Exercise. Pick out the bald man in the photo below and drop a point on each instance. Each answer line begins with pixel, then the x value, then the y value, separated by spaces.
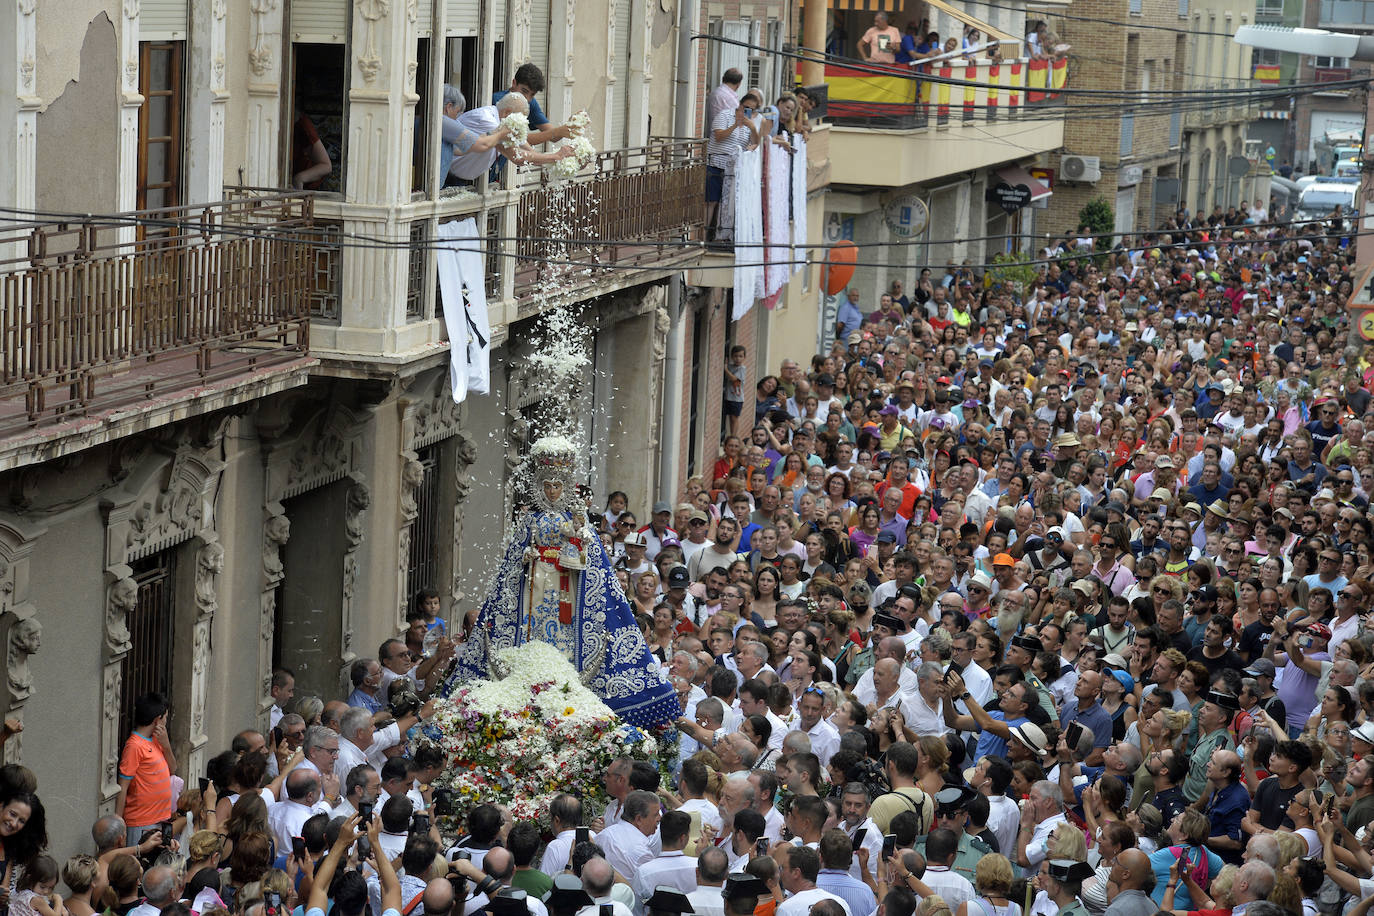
pixel 1129 884
pixel 892 647
pixel 1228 802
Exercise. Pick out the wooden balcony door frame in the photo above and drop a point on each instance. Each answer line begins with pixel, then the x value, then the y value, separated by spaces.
pixel 161 82
pixel 156 83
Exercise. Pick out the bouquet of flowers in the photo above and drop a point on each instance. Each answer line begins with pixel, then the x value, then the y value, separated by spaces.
pixel 536 732
pixel 519 127
pixel 583 151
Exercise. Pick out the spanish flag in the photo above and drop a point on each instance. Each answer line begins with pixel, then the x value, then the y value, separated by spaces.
pixel 1267 74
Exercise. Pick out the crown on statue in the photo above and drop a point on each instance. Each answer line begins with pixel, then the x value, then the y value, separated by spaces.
pixel 553 458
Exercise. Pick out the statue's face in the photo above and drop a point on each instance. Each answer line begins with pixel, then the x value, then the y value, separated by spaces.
pixel 553 490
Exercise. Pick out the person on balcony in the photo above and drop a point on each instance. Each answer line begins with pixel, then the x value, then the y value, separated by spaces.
pixel 910 39
pixel 482 139
pixel 880 43
pixel 724 97
pixel 310 162
pixel 732 132
pixel 529 82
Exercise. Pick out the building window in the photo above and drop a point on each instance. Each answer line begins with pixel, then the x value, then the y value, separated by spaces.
pixel 148 666
pixel 1327 63
pixel 422 567
pixel 319 110
pixel 159 124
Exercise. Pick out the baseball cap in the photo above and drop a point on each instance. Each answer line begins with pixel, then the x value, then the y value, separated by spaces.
pixel 942 380
pixel 1003 559
pixel 1057 532
pixel 889 410
pixel 678 578
pixel 661 506
pixel 1164 461
pixel 1261 667
pixel 886 537
pixel 1114 660
pixel 698 516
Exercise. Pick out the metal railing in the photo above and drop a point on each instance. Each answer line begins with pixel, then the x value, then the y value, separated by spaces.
pixel 612 216
pixel 944 92
pixel 108 311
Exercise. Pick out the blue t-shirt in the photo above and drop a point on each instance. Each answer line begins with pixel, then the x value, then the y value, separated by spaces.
pixel 990 745
pixel 907 53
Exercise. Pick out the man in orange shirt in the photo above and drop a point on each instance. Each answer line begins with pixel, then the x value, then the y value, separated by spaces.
pixel 145 797
pixel 897 470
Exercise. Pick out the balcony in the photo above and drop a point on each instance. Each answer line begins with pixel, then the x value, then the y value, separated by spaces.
pixel 1237 107
pixel 620 222
pixel 626 217
pixel 108 323
pixel 892 131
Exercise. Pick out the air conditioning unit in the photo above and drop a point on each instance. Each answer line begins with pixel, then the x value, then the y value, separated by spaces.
pixel 1080 168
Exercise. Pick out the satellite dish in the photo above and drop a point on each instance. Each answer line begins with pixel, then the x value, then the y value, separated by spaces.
pixel 1238 166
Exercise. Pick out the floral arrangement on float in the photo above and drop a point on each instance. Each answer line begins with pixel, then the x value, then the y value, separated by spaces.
pixel 536 731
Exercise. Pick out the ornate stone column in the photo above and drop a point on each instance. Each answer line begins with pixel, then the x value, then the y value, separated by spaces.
pixel 126 193
pixel 264 92
pixel 276 531
pixel 359 501
pixel 208 95
pixel 18 618
pixel 18 50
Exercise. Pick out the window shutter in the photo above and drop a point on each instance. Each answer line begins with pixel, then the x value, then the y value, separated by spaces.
pixel 163 20
pixel 320 21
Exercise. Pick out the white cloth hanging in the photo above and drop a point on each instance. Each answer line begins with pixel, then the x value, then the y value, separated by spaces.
pixel 462 267
pixel 748 231
pixel 799 202
pixel 779 190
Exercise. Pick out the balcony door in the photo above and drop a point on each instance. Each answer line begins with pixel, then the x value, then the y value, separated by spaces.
pixel 160 319
pixel 160 145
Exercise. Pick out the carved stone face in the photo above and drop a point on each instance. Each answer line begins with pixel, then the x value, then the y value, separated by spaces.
pixel 27 636
pixel 124 594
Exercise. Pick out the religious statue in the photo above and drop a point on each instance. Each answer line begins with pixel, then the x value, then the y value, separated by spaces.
pixel 555 584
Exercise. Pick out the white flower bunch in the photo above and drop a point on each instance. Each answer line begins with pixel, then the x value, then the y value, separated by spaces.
pixel 519 127
pixel 579 123
pixel 583 154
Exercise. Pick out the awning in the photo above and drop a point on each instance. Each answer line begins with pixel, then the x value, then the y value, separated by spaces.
pixel 967 19
pixel 1273 115
pixel 1015 175
pixel 866 6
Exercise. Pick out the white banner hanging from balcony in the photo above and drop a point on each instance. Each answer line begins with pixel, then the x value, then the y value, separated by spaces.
pixel 777 217
pixel 462 284
pixel 798 202
pixel 749 253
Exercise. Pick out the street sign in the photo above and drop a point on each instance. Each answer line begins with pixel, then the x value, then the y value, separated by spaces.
pixel 907 216
pixel 1363 295
pixel 1366 325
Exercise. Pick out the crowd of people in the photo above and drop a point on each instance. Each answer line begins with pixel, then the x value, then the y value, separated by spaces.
pixel 1014 601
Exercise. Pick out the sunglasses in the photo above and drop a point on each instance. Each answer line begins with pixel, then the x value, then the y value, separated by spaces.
pixel 1163 591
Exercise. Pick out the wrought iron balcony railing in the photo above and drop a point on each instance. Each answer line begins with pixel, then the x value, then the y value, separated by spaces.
pixel 110 312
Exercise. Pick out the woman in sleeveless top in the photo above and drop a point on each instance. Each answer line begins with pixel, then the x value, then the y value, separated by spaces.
pixel 992 880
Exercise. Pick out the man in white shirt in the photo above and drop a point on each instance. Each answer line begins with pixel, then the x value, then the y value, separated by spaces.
pixel 302 801
pixel 693 782
pixel 363 786
pixel 1044 811
pixel 671 867
pixel 161 887
pixel 942 845
pixel 395 816
pixel 753 701
pixel 565 816
pixel 922 710
pixel 707 898
pixel 598 880
pixel 825 740
pixel 854 804
pixel 617 782
pixel 283 689
pixel 894 648
pixel 362 742
pixel 991 777
pixel 481 138
pixel 765 791
pixel 626 843
pixel 798 868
